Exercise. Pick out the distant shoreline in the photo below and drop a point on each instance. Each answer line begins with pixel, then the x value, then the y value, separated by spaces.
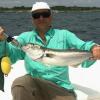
pixel 55 9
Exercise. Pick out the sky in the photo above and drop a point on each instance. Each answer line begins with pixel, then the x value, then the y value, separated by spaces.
pixel 28 3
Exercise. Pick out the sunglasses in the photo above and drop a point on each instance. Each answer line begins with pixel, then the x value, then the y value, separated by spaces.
pixel 37 15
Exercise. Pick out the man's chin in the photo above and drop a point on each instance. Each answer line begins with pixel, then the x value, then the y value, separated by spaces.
pixel 43 28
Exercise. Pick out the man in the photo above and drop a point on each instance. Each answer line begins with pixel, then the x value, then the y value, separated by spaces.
pixel 42 83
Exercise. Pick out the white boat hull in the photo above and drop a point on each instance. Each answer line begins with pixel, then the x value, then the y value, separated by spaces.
pixel 85 80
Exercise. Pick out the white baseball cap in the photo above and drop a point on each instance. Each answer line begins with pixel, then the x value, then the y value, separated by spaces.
pixel 40 5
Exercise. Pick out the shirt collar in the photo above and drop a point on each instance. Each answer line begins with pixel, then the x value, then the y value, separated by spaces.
pixel 50 32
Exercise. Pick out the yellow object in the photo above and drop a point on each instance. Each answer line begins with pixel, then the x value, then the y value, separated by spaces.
pixel 5 65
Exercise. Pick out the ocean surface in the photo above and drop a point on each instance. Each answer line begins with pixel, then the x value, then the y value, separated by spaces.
pixel 86 25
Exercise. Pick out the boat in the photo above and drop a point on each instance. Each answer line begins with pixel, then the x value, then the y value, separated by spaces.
pixel 85 80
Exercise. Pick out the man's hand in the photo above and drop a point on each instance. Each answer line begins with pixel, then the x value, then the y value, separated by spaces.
pixel 96 52
pixel 2 37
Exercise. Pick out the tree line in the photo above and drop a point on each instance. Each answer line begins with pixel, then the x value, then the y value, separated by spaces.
pixel 59 8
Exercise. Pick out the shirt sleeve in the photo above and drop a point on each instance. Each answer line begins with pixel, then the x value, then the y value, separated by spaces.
pixel 14 53
pixel 77 43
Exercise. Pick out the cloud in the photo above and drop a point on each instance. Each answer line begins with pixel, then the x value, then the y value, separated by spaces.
pixel 11 3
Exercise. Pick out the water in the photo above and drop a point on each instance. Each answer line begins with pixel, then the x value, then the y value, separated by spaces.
pixel 86 25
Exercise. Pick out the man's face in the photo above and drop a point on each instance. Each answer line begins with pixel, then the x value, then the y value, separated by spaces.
pixel 42 19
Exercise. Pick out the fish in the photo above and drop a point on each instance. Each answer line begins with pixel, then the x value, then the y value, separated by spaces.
pixel 56 57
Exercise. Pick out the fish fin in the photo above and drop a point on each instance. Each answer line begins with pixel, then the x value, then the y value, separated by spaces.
pixel 49 55
pixel 75 66
pixel 47 65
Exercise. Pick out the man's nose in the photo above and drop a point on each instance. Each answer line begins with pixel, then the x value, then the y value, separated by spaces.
pixel 41 18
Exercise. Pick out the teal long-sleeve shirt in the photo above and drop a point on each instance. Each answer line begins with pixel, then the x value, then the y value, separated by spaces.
pixel 56 39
